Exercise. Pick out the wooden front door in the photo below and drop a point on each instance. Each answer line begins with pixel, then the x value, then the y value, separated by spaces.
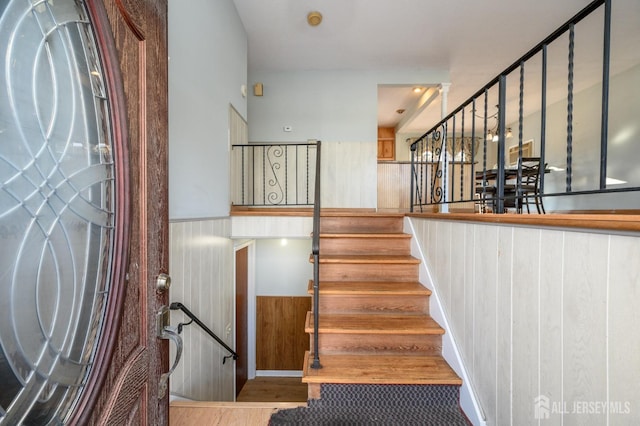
pixel 83 211
pixel 130 390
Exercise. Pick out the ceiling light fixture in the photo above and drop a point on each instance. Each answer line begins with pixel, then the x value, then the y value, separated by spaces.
pixel 493 133
pixel 314 18
pixel 418 89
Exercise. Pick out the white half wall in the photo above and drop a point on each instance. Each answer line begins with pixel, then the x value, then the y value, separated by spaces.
pixel 545 320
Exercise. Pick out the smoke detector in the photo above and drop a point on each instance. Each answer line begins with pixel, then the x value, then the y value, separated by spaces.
pixel 314 18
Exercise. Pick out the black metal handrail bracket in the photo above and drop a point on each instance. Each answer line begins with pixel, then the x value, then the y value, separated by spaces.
pixel 179 306
pixel 315 250
pixel 460 145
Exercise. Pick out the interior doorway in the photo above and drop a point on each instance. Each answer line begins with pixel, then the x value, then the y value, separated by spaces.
pixel 242 291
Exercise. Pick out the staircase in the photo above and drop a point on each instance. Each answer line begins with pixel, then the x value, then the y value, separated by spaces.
pixel 374 326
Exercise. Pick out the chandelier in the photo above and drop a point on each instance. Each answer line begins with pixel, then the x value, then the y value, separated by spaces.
pixel 493 133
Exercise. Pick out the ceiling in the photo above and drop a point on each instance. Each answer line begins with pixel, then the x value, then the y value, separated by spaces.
pixel 473 40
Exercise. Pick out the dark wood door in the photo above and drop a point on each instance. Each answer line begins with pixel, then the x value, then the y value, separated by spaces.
pixel 84 194
pixel 242 273
pixel 130 390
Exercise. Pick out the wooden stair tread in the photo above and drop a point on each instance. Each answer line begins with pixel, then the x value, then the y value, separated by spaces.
pixel 380 235
pixel 358 213
pixel 370 259
pixel 374 324
pixel 382 288
pixel 380 369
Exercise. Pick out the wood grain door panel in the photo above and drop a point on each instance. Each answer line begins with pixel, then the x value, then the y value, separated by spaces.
pixel 130 390
pixel 280 337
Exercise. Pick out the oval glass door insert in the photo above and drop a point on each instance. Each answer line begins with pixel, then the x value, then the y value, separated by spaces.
pixel 58 214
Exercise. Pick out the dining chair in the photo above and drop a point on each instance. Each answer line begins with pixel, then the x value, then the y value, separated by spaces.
pixel 486 196
pixel 529 190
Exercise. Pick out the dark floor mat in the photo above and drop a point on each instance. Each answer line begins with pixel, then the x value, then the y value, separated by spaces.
pixel 378 405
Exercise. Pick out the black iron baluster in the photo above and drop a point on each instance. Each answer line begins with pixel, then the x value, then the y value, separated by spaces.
pixel 604 124
pixel 286 175
pixel 242 173
pixel 461 156
pixel 518 199
pixel 502 101
pixel 484 146
pixel 296 190
pixel 543 115
pixel 445 163
pixel 453 164
pixel 570 108
pixel 264 175
pixel 472 181
pixel 413 172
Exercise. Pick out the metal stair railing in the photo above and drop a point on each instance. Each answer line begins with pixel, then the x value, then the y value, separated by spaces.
pixel 179 306
pixel 451 159
pixel 315 249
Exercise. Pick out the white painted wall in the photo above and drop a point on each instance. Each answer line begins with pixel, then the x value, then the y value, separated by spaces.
pixel 540 312
pixel 329 105
pixel 207 67
pixel 338 107
pixel 283 267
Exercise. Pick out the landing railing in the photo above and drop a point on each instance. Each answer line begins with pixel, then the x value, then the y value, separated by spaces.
pixel 566 101
pixel 179 306
pixel 268 175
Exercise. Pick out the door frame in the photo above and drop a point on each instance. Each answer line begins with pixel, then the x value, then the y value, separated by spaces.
pixel 251 304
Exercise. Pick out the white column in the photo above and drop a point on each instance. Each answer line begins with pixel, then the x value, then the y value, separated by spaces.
pixel 444 93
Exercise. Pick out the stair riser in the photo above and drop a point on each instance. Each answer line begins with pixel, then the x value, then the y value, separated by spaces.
pixel 354 245
pixel 368 272
pixel 379 345
pixel 374 304
pixel 338 225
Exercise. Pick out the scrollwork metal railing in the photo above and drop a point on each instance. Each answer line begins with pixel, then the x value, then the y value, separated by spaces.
pixel 273 174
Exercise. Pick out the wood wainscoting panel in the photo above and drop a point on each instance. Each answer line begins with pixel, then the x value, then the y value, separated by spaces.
pixel 394 179
pixel 280 337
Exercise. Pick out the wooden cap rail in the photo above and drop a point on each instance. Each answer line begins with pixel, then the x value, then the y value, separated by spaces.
pixel 607 222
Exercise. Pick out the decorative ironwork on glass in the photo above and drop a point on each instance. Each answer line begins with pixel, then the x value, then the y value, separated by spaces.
pixel 57 203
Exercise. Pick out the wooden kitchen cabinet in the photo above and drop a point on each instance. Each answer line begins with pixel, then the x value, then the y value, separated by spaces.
pixel 386 144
